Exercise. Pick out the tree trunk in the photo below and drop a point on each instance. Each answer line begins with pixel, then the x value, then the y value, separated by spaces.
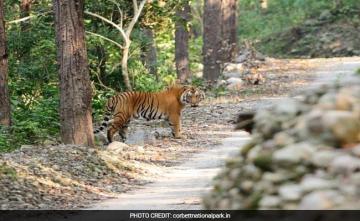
pixel 149 55
pixel 229 30
pixel 75 88
pixel 25 7
pixel 182 43
pixel 5 118
pixel 124 66
pixel 212 40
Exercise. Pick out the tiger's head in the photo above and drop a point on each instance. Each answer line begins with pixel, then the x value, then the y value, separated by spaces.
pixel 192 96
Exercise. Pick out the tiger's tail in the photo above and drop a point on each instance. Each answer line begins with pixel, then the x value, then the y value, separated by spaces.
pixel 107 118
pixel 105 123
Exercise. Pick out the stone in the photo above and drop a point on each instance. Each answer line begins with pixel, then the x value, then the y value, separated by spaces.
pixel 319 200
pixel 344 126
pixel 311 183
pixel 290 192
pixel 323 158
pixel 247 186
pixel 327 101
pixel 234 83
pixel 294 153
pixel 356 150
pixel 228 75
pixel 233 67
pixel 275 177
pixel 288 107
pixel 269 202
pixel 282 139
pixel 325 14
pixel 117 147
pixel 344 165
pixel 220 83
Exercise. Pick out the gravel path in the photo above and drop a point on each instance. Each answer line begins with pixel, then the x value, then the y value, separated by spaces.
pixel 182 186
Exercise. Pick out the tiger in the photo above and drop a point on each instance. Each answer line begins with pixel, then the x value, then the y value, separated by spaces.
pixel 167 104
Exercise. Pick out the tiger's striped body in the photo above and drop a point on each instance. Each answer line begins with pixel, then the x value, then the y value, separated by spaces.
pixel 165 104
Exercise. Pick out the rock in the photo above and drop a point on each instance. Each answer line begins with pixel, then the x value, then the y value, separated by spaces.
pixel 198 74
pixel 234 83
pixel 228 75
pixel 220 83
pixel 324 199
pixel 241 58
pixel 117 147
pixel 290 192
pixel 247 186
pixel 323 158
pixel 282 139
pixel 294 153
pixel 325 15
pixel 311 183
pixel 344 165
pixel 327 101
pixel 275 177
pixel 288 107
pixel 344 126
pixel 356 150
pixel 233 67
pixel 270 202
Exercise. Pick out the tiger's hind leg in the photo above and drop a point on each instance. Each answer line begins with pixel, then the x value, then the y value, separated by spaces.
pixel 119 124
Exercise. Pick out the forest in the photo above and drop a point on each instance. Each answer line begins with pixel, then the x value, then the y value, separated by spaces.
pixel 163 33
pixel 280 115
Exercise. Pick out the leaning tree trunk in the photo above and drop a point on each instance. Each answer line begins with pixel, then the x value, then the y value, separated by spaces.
pixel 149 55
pixel 229 30
pixel 124 65
pixel 75 88
pixel 182 43
pixel 212 40
pixel 5 118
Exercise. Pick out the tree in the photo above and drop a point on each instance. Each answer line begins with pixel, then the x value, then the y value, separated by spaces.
pixel 149 55
pixel 182 42
pixel 211 40
pixel 25 7
pixel 228 30
pixel 5 118
pixel 75 87
pixel 125 33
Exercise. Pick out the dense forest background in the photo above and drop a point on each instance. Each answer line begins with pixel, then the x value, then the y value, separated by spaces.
pixel 275 29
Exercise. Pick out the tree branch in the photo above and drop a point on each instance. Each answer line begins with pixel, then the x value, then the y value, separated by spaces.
pixel 105 38
pixel 109 22
pixel 137 12
pixel 27 18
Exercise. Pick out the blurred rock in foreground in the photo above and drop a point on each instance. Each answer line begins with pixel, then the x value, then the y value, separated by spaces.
pixel 305 154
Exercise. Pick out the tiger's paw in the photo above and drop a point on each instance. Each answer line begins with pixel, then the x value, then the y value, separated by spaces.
pixel 179 137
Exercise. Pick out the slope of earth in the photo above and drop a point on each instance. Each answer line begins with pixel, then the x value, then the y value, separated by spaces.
pixel 332 34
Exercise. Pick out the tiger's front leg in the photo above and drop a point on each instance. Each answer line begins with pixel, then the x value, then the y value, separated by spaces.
pixel 175 124
pixel 120 124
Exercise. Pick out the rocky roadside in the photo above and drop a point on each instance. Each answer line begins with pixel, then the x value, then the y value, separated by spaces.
pixel 305 154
